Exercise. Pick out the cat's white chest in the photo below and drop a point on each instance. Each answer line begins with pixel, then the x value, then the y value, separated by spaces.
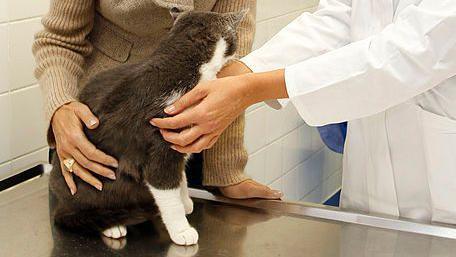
pixel 210 69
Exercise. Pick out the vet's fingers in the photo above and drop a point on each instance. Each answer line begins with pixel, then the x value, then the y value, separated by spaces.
pixel 183 138
pixel 94 154
pixel 187 100
pixel 181 120
pixel 86 116
pixel 198 146
pixel 92 166
pixel 86 176
pixel 68 177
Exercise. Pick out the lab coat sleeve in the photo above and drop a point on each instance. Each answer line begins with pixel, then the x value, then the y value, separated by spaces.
pixel 311 34
pixel 414 54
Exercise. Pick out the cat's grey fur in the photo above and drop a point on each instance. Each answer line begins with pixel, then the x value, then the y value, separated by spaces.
pixel 124 99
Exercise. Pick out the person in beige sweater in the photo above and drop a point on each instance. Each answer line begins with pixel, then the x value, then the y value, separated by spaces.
pixel 83 37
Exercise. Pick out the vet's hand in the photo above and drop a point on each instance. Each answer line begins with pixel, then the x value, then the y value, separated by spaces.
pixel 71 142
pixel 215 105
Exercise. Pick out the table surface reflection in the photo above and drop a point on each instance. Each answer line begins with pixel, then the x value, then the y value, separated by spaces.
pixel 226 229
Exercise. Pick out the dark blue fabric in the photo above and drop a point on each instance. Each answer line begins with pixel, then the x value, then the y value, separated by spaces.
pixel 333 200
pixel 333 135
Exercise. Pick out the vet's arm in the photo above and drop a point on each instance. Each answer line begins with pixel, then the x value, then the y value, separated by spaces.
pixel 216 104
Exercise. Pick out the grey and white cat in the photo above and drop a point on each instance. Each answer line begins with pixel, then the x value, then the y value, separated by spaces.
pixel 125 98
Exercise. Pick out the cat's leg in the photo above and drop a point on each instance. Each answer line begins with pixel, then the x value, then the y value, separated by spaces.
pixel 172 211
pixel 115 232
pixel 186 200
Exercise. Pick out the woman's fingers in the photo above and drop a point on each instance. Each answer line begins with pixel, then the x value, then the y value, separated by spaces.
pixel 86 116
pixel 92 166
pixel 68 178
pixel 86 176
pixel 183 138
pixel 187 100
pixel 92 153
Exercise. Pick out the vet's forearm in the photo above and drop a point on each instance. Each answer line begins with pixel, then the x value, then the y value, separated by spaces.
pixel 257 87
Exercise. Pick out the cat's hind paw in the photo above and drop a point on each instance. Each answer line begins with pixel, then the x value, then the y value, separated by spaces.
pixel 115 232
pixel 188 236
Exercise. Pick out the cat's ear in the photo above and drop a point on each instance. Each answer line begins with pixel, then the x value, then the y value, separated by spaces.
pixel 175 13
pixel 234 18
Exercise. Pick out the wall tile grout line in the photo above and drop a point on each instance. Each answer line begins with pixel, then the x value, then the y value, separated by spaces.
pixel 278 139
pixel 19 89
pixel 24 19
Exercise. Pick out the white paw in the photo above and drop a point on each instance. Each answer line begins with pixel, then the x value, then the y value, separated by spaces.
pixel 188 205
pixel 187 237
pixel 115 232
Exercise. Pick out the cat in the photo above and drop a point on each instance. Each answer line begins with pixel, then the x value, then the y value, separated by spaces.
pixel 150 174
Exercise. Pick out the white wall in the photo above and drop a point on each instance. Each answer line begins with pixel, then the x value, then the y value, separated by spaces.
pixel 284 152
pixel 22 127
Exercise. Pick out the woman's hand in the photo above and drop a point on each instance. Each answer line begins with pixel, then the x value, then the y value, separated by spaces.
pixel 71 142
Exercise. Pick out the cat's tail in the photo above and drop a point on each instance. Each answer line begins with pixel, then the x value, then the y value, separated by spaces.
pixel 97 220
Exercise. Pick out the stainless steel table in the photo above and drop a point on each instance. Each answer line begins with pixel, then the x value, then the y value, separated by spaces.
pixel 227 228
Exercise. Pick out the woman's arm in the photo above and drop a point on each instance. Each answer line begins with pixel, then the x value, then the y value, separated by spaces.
pixel 59 51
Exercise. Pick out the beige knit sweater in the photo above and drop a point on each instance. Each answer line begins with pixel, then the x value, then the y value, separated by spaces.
pixel 83 37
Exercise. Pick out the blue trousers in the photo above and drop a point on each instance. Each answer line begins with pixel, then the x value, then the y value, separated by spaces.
pixel 333 135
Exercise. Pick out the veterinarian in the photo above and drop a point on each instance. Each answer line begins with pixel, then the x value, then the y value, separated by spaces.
pixel 83 37
pixel 387 67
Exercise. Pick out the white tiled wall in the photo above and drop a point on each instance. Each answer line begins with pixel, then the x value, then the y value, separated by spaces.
pixel 284 152
pixel 22 127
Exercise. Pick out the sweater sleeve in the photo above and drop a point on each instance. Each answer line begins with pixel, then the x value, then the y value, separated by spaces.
pixel 224 163
pixel 60 49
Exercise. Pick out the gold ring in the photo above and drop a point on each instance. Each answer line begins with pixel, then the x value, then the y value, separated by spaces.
pixel 69 164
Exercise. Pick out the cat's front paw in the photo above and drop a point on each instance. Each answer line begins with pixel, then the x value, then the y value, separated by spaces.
pixel 115 232
pixel 188 236
pixel 188 205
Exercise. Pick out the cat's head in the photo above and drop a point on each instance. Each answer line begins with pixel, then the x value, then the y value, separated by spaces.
pixel 208 27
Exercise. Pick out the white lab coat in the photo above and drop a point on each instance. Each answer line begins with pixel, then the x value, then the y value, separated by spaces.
pixel 389 68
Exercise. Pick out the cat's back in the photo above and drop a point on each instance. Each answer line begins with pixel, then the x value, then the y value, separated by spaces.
pixel 107 83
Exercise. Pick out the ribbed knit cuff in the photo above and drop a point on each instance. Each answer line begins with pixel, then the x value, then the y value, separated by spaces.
pixel 224 163
pixel 59 87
